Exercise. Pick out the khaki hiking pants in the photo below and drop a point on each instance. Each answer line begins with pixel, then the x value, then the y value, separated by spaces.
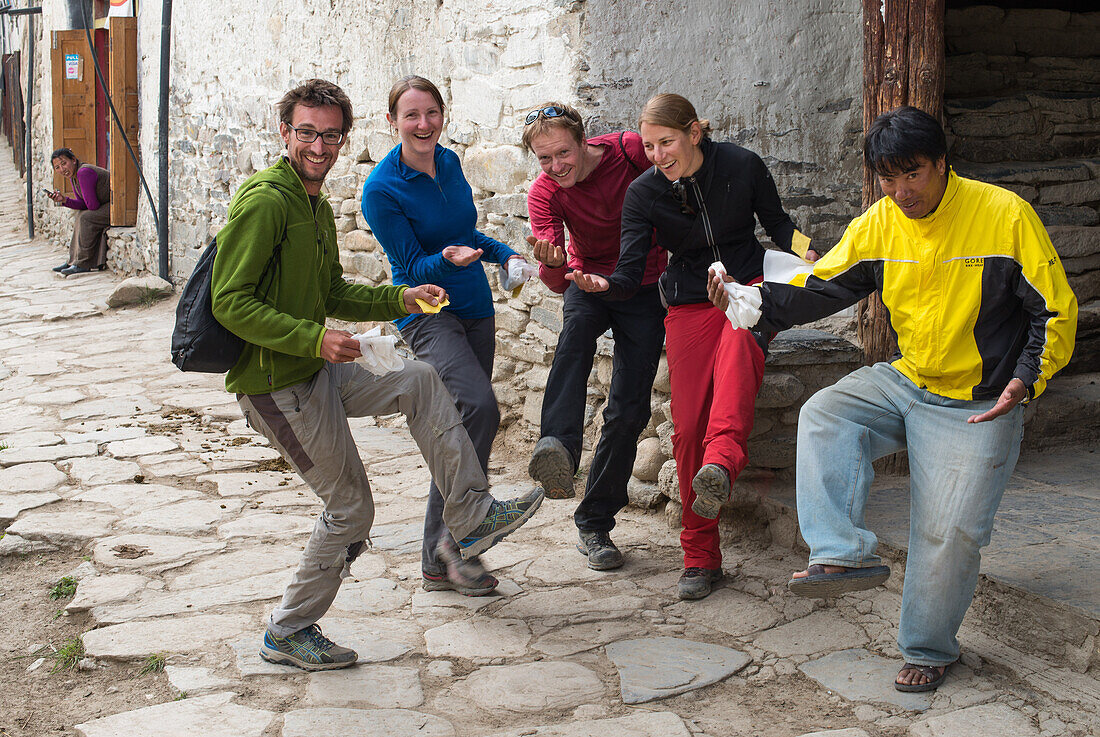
pixel 308 423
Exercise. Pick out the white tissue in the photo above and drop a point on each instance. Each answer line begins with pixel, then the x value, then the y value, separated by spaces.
pixel 782 267
pixel 744 307
pixel 516 273
pixel 379 352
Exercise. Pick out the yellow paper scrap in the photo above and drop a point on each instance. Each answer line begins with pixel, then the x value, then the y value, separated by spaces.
pixel 430 309
pixel 800 244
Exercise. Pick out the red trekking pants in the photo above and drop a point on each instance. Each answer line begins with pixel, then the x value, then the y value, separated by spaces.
pixel 715 373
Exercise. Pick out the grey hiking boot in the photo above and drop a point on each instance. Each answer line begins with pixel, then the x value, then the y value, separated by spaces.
pixel 502 519
pixel 307 649
pixel 601 552
pixel 696 583
pixel 712 489
pixel 467 577
pixel 552 466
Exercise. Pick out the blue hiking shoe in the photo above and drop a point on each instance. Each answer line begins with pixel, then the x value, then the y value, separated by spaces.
pixel 503 518
pixel 307 649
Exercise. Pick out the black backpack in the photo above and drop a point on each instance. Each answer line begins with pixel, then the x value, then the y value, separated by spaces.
pixel 199 342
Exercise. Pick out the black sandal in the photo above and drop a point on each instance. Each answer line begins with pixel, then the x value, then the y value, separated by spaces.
pixel 931 672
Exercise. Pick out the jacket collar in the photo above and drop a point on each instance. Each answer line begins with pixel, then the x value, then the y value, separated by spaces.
pixel 405 171
pixel 944 212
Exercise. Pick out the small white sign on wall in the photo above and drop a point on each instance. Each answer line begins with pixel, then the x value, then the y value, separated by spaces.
pixel 72 66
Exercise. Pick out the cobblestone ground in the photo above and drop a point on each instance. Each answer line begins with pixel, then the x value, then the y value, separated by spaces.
pixel 179 527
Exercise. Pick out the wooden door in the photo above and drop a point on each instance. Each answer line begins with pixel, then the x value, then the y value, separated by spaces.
pixel 73 97
pixel 122 54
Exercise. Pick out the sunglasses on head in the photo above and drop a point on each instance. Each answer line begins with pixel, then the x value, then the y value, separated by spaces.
pixel 553 111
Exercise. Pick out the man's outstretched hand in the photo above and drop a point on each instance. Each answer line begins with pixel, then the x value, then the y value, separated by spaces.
pixel 547 253
pixel 1013 394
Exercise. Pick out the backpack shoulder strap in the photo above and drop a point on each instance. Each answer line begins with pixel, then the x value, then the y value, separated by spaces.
pixel 622 147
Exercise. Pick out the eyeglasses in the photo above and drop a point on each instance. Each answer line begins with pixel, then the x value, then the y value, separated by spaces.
pixel 309 135
pixel 553 111
pixel 679 193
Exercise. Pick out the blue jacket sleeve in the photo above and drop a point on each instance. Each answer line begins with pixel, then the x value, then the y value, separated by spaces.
pixel 392 229
pixel 495 251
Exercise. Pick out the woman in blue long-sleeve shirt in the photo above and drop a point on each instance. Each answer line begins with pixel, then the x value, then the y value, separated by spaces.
pixel 421 209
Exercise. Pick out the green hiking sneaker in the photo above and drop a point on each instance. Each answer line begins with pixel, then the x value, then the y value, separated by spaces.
pixel 502 519
pixel 307 649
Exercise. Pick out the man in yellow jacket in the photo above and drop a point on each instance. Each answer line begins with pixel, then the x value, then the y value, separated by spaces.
pixel 984 317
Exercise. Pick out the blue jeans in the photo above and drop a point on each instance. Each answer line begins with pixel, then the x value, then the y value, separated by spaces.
pixel 958 474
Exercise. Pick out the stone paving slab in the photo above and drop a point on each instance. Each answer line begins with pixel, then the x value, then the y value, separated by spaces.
pixel 729 611
pixel 573 603
pixel 46 453
pixel 658 667
pixel 12 505
pixel 210 716
pixel 645 724
pixel 157 604
pixel 25 439
pixel 531 687
pixel 133 498
pixel 985 720
pixel 372 596
pixel 101 471
pixel 384 686
pixel 191 681
pixel 478 638
pixel 166 636
pixel 819 632
pixel 265 525
pixel 152 553
pixel 74 527
pixel 188 517
pixel 859 675
pixel 235 565
pixel 141 446
pixel 245 484
pixel 577 638
pixel 99 590
pixel 388 722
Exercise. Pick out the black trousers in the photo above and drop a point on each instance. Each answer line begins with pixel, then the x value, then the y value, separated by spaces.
pixel 637 325
pixel 462 352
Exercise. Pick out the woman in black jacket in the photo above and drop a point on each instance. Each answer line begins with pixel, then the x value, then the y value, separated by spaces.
pixel 702 199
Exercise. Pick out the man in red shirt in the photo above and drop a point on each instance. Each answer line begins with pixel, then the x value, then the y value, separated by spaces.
pixel 581 188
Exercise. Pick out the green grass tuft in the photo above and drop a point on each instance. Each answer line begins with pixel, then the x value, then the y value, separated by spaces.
pixel 153 664
pixel 68 655
pixel 64 588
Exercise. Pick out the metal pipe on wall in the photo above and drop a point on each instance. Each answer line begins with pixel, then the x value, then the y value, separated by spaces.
pixel 165 58
pixel 27 129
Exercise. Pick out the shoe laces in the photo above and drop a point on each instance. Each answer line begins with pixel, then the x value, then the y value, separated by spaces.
pixel 695 572
pixel 601 538
pixel 313 632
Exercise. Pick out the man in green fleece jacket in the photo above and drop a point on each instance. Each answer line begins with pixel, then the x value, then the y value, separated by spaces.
pixel 297 385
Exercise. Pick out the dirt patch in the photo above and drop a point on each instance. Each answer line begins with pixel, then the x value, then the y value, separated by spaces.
pixel 48 701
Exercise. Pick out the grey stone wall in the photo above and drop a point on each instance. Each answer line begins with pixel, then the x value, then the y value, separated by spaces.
pixel 1022 109
pixel 745 67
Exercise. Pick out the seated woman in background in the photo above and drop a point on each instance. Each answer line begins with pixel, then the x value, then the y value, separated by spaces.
pixel 92 201
pixel 702 199
pixel 421 209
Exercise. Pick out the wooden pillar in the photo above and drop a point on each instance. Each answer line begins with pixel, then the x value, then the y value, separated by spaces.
pixel 903 58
